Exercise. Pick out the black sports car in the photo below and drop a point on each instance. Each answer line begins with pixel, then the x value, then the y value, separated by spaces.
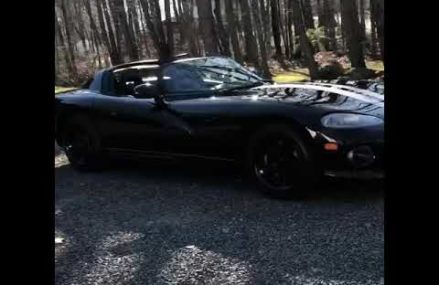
pixel 287 136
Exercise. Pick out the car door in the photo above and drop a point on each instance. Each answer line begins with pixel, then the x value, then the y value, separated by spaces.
pixel 128 124
pixel 200 125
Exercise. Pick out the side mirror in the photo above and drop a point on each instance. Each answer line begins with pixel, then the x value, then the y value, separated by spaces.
pixel 146 90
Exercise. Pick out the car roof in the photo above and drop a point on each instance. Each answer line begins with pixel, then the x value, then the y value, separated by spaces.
pixel 151 62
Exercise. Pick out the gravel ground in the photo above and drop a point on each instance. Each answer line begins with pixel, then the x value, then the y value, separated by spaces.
pixel 138 224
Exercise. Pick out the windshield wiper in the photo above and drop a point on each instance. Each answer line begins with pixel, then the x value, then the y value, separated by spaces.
pixel 245 86
pixel 249 74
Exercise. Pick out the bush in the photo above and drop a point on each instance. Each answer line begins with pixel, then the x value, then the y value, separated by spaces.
pixel 360 73
pixel 331 70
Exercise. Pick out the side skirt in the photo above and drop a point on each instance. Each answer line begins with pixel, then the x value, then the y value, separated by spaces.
pixel 142 154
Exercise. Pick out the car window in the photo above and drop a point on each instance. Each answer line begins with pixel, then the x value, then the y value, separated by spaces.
pixel 127 79
pixel 183 78
pixel 206 74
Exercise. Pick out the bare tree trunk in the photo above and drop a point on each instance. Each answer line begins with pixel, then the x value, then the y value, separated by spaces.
pixel 362 19
pixel 118 32
pixel 207 27
pixel 144 32
pixel 169 27
pixel 284 28
pixel 304 41
pixel 134 25
pixel 250 40
pixel 176 4
pixel 192 30
pixel 151 11
pixel 275 24
pixel 57 45
pixel 64 45
pixel 330 23
pixel 307 14
pixel 265 11
pixel 96 41
pixel 342 27
pixel 105 19
pixel 353 33
pixel 290 28
pixel 321 13
pixel 70 43
pixel 379 19
pixel 222 32
pixel 79 28
pixel 259 31
pixel 233 30
pixel 239 24
pixel 93 26
pixel 122 24
pixel 373 34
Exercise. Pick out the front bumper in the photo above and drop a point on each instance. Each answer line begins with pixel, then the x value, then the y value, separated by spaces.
pixel 350 160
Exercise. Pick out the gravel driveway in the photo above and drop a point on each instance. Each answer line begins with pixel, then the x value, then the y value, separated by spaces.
pixel 139 224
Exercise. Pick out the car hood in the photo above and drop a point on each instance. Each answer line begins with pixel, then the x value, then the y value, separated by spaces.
pixel 334 100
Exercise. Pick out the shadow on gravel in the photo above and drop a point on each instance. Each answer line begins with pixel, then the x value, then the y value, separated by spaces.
pixel 155 223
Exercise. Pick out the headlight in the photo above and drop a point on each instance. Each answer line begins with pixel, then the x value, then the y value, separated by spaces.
pixel 345 121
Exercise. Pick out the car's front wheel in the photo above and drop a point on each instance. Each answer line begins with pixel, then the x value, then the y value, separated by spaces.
pixel 282 162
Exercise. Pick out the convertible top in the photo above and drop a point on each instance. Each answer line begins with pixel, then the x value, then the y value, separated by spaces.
pixel 146 62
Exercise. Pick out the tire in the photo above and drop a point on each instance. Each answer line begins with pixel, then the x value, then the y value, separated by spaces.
pixel 282 162
pixel 81 145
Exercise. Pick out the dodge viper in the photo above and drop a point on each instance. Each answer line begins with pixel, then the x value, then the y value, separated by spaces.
pixel 286 136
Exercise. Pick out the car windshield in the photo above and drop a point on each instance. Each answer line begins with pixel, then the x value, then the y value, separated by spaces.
pixel 209 73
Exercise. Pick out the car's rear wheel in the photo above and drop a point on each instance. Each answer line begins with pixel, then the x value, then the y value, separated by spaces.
pixel 81 145
pixel 282 162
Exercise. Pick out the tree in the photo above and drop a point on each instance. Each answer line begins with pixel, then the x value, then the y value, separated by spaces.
pixel 342 27
pixel 108 32
pixel 250 40
pixel 134 24
pixel 104 32
pixel 121 21
pixel 284 27
pixel 113 18
pixel 221 30
pixel 353 33
pixel 373 32
pixel 62 42
pixel 93 28
pixel 261 39
pixel 320 13
pixel 169 28
pixel 303 39
pixel 207 28
pixel 378 17
pixel 231 19
pixel 307 14
pixel 290 24
pixel 265 10
pixel 78 25
pixel 330 23
pixel 70 43
pixel 151 10
pixel 275 24
pixel 362 15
